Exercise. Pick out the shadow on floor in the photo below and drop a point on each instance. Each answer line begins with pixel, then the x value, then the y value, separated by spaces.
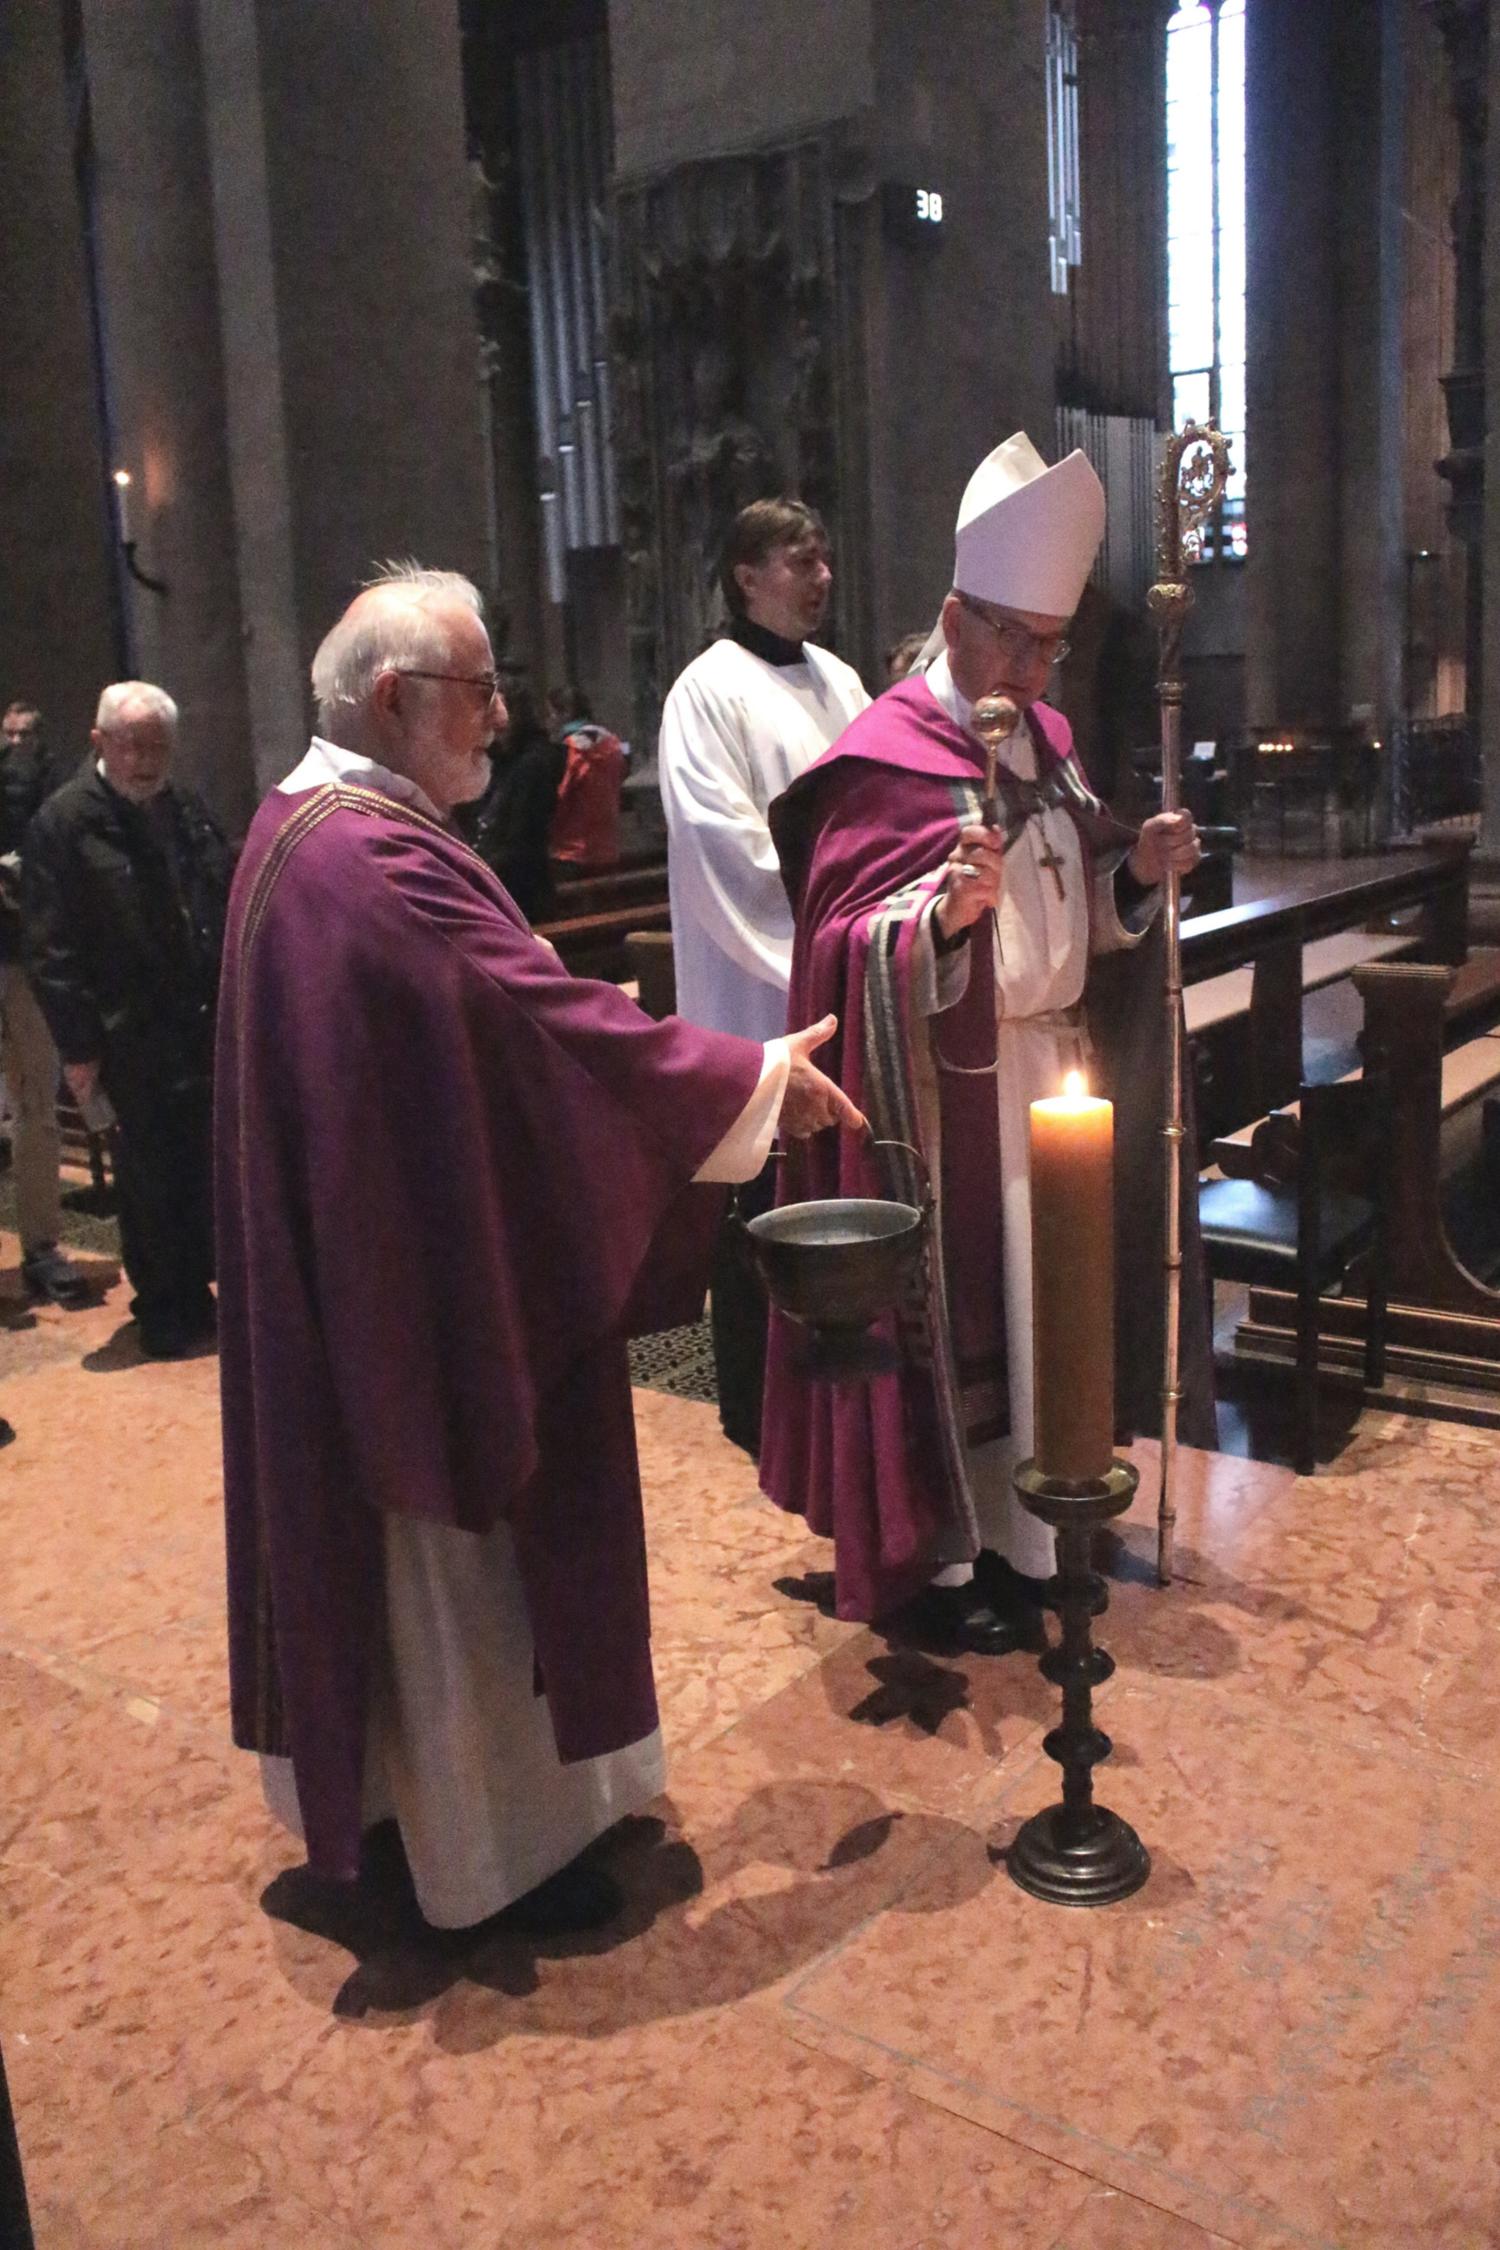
pixel 787 1875
pixel 123 1349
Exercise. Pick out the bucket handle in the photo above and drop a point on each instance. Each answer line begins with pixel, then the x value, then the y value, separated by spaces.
pixel 778 1154
pixel 927 1194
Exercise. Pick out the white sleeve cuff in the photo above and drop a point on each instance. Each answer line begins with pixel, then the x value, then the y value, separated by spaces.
pixel 747 1144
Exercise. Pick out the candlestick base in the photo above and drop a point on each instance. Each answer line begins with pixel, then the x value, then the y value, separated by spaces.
pixel 1106 1862
pixel 1077 1853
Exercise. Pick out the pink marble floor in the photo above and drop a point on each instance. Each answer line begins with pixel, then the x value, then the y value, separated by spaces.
pixel 828 2015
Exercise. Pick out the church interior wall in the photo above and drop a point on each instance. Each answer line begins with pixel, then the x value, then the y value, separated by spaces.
pixel 279 210
pixel 60 624
pixel 698 78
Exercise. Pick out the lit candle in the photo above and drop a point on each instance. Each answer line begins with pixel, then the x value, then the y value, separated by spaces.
pixel 122 504
pixel 1073 1282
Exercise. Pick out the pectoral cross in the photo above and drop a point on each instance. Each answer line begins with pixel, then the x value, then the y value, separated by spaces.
pixel 1048 858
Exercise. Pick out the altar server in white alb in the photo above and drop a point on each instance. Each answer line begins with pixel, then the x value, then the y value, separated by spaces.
pixel 742 722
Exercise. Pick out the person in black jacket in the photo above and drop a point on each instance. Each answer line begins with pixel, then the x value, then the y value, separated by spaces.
pixel 124 890
pixel 511 825
pixel 27 1054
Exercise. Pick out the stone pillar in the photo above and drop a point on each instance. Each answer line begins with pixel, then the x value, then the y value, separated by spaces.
pixel 961 337
pixel 342 229
pixel 1465 28
pixel 1370 396
pixel 154 244
pixel 59 623
pixel 1293 405
pixel 1489 714
pixel 1325 106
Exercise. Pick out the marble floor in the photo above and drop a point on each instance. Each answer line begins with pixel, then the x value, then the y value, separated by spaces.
pixel 828 2017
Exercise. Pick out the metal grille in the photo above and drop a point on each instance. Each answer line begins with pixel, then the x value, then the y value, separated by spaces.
pixel 1438 774
pixel 1123 449
pixel 564 146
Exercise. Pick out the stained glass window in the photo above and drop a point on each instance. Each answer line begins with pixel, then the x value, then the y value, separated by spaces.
pixel 1206 234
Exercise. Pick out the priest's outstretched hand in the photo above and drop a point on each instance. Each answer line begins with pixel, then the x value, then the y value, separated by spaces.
pixel 972 884
pixel 812 1101
pixel 1168 844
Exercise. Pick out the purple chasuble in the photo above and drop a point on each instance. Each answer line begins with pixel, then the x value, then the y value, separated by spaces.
pixel 863 838
pixel 444 1172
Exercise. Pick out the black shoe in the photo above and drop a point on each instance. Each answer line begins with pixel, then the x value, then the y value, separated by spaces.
pixel 164 1339
pixel 575 1898
pixel 962 1619
pixel 1009 1589
pixel 50 1277
pixel 7 1431
pixel 175 1335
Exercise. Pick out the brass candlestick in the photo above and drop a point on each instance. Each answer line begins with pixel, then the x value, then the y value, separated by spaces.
pixel 1077 1853
pixel 1194 469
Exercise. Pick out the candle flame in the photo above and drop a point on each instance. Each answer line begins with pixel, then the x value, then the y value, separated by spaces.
pixel 122 478
pixel 1075 1085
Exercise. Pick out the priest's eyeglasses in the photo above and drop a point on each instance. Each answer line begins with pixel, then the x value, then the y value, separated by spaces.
pixel 1019 645
pixel 487 682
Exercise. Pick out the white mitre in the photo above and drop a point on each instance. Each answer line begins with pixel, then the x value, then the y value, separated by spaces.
pixel 1027 535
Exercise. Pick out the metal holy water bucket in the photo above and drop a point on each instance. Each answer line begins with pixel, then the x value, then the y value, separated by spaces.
pixel 835 1266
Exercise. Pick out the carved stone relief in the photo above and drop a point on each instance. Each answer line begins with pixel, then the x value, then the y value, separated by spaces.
pixel 724 339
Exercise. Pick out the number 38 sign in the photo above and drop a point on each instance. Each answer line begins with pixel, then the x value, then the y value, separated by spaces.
pixel 912 214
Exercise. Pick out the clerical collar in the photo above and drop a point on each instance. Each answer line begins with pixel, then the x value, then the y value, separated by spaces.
pixel 772 648
pixel 947 690
pixel 329 762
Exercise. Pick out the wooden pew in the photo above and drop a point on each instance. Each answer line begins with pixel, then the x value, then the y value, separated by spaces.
pixel 593 945
pixel 1215 1001
pixel 596 913
pixel 1444 1321
pixel 1469 995
pixel 1406 1018
pixel 1299 941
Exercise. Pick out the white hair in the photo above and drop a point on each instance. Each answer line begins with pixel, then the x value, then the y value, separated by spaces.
pixel 381 635
pixel 128 700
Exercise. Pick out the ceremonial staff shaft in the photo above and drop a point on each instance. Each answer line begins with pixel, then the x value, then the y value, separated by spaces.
pixel 1193 473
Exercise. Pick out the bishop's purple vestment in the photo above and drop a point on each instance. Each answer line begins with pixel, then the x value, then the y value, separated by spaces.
pixel 443 1171
pixel 885 1467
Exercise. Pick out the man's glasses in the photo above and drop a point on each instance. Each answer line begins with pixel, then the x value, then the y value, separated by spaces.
pixel 1018 644
pixel 487 682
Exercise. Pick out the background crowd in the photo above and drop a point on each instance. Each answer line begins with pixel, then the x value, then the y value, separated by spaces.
pixel 114 879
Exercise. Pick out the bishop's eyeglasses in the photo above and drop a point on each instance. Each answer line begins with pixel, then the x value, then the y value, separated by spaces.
pixel 1018 644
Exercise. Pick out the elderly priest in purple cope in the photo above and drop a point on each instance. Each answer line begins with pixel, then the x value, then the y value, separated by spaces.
pixel 969 979
pixel 451 1179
